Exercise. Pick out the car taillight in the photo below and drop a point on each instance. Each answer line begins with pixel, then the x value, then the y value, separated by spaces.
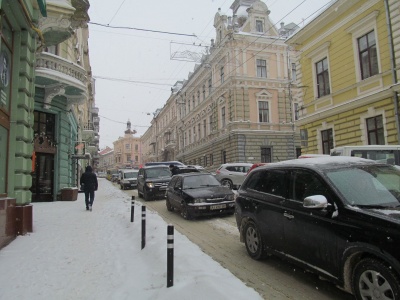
pixel 217 172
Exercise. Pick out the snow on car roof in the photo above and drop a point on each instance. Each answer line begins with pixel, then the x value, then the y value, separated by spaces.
pixel 325 161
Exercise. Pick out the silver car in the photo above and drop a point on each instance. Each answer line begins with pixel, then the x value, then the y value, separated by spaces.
pixel 232 175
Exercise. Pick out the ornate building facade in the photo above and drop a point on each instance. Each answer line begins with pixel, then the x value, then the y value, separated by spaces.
pixel 237 105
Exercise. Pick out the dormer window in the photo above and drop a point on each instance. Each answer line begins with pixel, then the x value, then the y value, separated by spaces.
pixel 259 26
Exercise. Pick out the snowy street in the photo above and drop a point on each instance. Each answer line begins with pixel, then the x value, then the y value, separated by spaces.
pixel 78 254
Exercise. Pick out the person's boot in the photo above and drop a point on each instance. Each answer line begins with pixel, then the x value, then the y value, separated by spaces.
pixel 90 207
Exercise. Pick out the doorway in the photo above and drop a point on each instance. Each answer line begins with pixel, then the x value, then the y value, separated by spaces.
pixel 43 178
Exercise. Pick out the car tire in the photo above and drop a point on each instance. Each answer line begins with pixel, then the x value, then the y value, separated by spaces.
pixel 184 212
pixel 253 241
pixel 140 195
pixel 372 276
pixel 145 195
pixel 227 182
pixel 169 206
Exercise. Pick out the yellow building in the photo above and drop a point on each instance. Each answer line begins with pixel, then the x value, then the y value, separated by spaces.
pixel 127 150
pixel 347 75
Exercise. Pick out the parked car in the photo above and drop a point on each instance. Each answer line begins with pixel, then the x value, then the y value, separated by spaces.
pixel 336 216
pixel 198 194
pixel 232 174
pixel 255 166
pixel 128 179
pixel 101 175
pixel 166 163
pixel 152 181
pixel 115 177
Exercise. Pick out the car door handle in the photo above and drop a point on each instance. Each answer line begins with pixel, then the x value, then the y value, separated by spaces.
pixel 289 216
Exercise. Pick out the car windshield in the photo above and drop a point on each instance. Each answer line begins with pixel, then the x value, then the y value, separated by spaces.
pixel 158 172
pixel 199 181
pixel 371 186
pixel 131 174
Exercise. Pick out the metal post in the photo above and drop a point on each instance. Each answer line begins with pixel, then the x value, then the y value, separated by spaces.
pixel 170 256
pixel 143 226
pixel 132 208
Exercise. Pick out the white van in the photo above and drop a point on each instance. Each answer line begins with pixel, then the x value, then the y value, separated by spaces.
pixel 389 154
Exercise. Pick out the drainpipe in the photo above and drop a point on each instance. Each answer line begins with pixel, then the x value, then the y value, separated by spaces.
pixel 393 67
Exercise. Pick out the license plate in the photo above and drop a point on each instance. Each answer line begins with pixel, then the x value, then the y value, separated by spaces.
pixel 220 206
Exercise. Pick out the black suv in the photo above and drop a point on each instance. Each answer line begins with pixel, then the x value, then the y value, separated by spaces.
pixel 336 216
pixel 152 181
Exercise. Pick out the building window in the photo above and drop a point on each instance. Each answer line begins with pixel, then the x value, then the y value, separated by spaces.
pixel 205 160
pixel 190 136
pixel 375 131
pixel 136 158
pixel 211 124
pixel 223 156
pixel 261 68
pixel 204 128
pixel 322 77
pixel 204 92
pixel 263 112
pixel 327 141
pixel 51 49
pixel 293 72
pixel 259 26
pixel 44 125
pixel 296 110
pixel 136 147
pixel 193 102
pixel 194 134
pixel 368 55
pixel 199 131
pixel 198 97
pixel 211 159
pixel 222 75
pixel 223 117
pixel 266 154
pixel 188 105
pixel 127 146
pixel 209 86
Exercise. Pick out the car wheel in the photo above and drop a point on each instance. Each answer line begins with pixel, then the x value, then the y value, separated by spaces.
pixel 184 212
pixel 253 241
pixel 140 195
pixel 169 206
pixel 227 182
pixel 145 195
pixel 372 279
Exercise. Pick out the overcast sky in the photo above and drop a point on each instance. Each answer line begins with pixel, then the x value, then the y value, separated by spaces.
pixel 133 69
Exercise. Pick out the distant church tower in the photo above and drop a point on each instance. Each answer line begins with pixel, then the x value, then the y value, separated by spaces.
pixel 128 128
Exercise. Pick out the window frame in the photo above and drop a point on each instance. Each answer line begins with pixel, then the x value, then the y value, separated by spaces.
pixel 329 140
pixel 261 68
pixel 379 133
pixel 268 111
pixel 325 77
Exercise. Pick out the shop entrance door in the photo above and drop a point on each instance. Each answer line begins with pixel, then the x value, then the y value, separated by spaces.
pixel 43 178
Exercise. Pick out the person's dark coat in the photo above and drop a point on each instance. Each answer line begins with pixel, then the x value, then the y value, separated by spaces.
pixel 89 180
pixel 174 169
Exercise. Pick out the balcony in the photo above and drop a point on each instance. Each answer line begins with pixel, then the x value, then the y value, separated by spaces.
pixel 94 111
pixel 88 133
pixel 63 17
pixel 60 77
pixel 96 120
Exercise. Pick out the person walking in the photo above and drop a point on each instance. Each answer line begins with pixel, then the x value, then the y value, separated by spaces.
pixel 174 169
pixel 90 184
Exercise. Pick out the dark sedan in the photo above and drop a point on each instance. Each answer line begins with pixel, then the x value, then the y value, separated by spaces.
pixel 336 216
pixel 198 194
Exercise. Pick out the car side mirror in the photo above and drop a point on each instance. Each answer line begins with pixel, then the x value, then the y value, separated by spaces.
pixel 315 202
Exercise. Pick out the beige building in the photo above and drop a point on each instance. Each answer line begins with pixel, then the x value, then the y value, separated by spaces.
pixel 127 150
pixel 237 104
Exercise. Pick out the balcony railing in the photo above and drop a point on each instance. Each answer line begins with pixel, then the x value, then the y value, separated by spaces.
pixel 51 63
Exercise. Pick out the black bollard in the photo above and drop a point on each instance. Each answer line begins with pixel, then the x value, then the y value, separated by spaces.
pixel 143 226
pixel 170 256
pixel 132 208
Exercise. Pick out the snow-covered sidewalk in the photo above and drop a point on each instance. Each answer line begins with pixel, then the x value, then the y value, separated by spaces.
pixel 77 254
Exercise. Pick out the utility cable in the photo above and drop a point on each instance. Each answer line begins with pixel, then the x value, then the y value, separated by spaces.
pixel 142 29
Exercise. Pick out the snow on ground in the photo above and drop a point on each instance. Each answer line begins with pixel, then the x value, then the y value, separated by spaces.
pixel 77 254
